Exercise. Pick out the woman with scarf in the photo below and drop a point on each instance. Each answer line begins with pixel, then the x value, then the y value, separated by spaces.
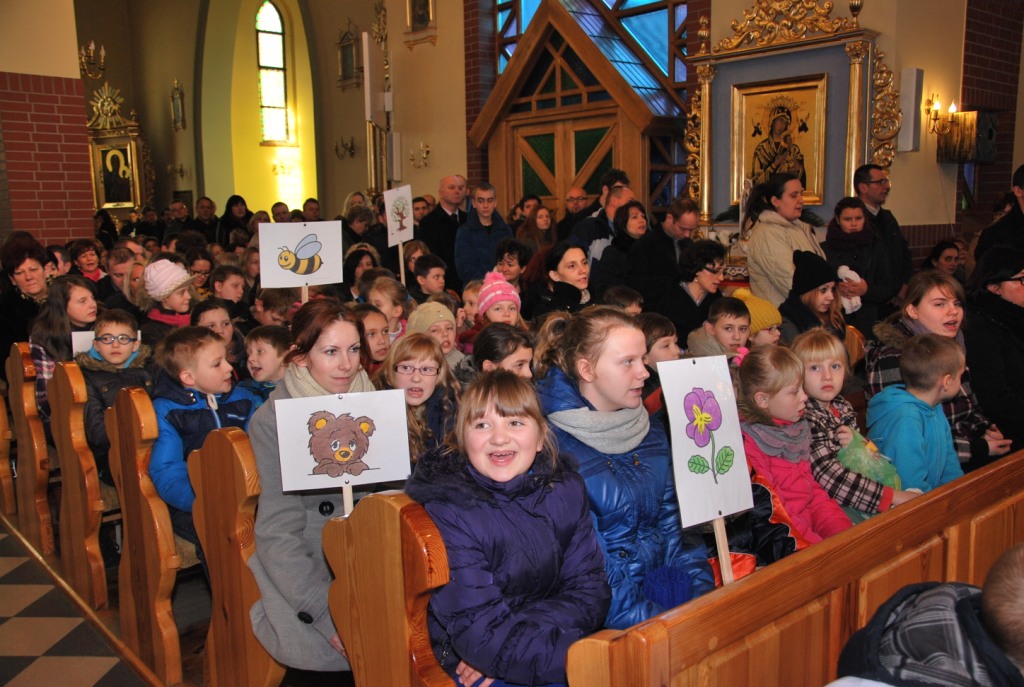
pixel 995 339
pixel 291 619
pixel 592 397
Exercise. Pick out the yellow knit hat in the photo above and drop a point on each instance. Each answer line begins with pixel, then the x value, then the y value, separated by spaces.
pixel 762 313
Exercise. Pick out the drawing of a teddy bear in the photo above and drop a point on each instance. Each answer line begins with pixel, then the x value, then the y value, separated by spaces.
pixel 338 443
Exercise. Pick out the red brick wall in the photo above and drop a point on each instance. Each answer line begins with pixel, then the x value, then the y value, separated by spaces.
pixel 45 184
pixel 992 54
pixel 481 71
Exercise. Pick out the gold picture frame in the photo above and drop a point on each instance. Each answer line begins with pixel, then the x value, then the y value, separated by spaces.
pixel 779 127
pixel 177 106
pixel 420 22
pixel 115 172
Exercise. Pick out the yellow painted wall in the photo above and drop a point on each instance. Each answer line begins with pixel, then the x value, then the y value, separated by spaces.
pixel 429 83
pixel 927 34
pixel 39 38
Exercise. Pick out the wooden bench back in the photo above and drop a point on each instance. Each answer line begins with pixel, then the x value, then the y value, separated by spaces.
pixel 34 520
pixel 227 487
pixel 149 559
pixel 81 504
pixel 786 624
pixel 8 502
pixel 387 558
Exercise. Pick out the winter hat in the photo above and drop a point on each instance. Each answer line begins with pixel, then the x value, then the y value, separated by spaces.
pixel 426 315
pixel 810 271
pixel 163 277
pixel 495 290
pixel 762 313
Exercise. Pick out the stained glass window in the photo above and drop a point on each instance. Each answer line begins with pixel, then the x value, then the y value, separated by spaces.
pixel 273 84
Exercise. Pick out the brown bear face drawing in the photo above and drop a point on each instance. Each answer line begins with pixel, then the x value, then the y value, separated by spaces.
pixel 338 443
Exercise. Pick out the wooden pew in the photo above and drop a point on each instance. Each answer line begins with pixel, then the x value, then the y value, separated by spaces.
pixel 34 519
pixel 387 559
pixel 227 486
pixel 82 501
pixel 8 503
pixel 149 558
pixel 787 623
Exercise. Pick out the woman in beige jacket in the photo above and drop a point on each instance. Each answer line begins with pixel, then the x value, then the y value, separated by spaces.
pixel 774 209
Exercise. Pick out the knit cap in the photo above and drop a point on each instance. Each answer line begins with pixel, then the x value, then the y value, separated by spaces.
pixel 163 277
pixel 427 315
pixel 495 290
pixel 810 271
pixel 762 313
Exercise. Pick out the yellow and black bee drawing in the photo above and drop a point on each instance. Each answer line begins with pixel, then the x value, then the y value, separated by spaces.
pixel 305 259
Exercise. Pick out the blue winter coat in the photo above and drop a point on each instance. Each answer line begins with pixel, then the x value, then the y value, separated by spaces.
pixel 636 514
pixel 527 573
pixel 915 436
pixel 184 419
pixel 476 245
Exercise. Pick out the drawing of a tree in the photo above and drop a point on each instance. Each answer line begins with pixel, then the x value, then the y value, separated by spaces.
pixel 400 212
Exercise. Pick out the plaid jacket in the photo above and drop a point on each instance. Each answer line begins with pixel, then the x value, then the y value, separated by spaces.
pixel 882 361
pixel 847 487
pixel 45 367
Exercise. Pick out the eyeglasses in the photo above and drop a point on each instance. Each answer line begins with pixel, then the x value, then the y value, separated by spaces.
pixel 426 370
pixel 883 182
pixel 200 273
pixel 122 339
pixel 713 270
pixel 575 199
pixel 1019 280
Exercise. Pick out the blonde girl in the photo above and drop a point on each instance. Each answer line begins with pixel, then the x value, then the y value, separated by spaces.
pixel 812 302
pixel 833 421
pixel 391 298
pixel 416 365
pixel 777 440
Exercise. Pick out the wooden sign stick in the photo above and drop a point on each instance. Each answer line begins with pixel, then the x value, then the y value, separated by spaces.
pixel 347 503
pixel 401 260
pixel 722 542
pixel 304 294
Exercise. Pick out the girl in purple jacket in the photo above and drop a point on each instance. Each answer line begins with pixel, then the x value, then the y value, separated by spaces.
pixel 527 573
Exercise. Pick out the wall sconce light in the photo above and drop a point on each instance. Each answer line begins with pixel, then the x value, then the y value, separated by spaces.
pixel 178 171
pixel 418 158
pixel 938 123
pixel 282 169
pixel 87 63
pixel 343 149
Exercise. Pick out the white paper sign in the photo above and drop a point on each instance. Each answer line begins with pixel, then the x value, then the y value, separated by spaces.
pixel 710 465
pixel 300 254
pixel 81 342
pixel 348 439
pixel 398 203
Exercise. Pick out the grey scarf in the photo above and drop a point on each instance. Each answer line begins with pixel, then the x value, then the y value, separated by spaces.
pixel 790 442
pixel 300 383
pixel 615 432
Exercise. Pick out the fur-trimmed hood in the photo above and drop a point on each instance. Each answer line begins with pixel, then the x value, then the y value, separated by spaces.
pixel 892 332
pixel 140 361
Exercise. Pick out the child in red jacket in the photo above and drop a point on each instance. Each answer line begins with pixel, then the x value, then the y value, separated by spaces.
pixel 777 440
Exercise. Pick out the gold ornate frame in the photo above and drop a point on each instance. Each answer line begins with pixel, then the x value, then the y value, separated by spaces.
pixel 420 22
pixel 115 172
pixel 802 102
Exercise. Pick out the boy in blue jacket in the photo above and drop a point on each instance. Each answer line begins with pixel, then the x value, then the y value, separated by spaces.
pixel 195 394
pixel 906 421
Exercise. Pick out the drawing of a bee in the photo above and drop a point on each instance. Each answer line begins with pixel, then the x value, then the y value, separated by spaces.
pixel 305 259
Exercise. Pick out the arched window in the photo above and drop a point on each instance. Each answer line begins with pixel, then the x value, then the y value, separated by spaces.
pixel 273 76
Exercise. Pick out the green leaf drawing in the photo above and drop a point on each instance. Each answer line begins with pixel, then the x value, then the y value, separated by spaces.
pixel 698 465
pixel 724 460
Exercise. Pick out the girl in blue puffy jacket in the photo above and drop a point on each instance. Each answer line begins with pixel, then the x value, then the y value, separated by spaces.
pixel 527 574
pixel 592 376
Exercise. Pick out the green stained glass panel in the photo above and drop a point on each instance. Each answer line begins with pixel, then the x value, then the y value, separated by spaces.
pixel 532 183
pixel 544 146
pixel 269 19
pixel 593 185
pixel 271 50
pixel 567 82
pixel 585 141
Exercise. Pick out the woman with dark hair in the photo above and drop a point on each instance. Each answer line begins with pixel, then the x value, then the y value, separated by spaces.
pixel 23 260
pixel 538 231
pixel 236 216
pixel 104 229
pixel 356 262
pixel 701 270
pixel 994 338
pixel 291 619
pixel 944 256
pixel 568 276
pixel 630 223
pixel 773 217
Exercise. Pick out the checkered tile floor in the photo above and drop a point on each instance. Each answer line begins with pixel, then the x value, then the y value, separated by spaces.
pixel 44 639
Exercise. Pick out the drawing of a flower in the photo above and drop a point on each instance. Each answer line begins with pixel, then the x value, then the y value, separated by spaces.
pixel 704 415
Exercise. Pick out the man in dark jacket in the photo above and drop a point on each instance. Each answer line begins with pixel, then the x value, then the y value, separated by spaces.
pixel 439 227
pixel 206 219
pixel 1010 227
pixel 594 234
pixel 575 202
pixel 477 239
pixel 654 258
pixel 873 186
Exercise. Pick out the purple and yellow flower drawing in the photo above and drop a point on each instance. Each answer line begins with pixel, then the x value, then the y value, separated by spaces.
pixel 704 416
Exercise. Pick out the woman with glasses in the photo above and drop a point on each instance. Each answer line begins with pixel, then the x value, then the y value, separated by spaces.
pixel 995 338
pixel 291 619
pixel 773 219
pixel 701 268
pixel 416 365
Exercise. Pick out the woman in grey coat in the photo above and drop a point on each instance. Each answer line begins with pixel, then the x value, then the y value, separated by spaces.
pixel 291 619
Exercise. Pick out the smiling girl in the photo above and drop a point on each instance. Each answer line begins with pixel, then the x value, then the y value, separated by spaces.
pixel 934 303
pixel 416 365
pixel 527 571
pixel 592 393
